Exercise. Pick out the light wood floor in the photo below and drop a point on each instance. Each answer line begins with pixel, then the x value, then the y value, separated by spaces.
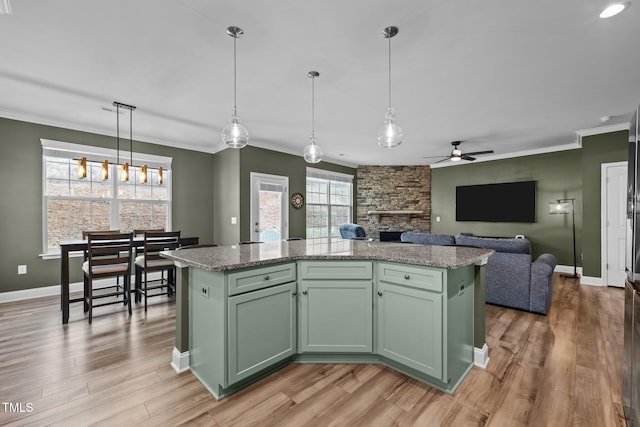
pixel 563 369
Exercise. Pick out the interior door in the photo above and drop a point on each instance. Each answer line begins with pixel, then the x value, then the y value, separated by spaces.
pixel 269 207
pixel 614 223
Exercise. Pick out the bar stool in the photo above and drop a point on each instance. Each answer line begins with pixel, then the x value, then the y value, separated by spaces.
pixel 150 261
pixel 108 255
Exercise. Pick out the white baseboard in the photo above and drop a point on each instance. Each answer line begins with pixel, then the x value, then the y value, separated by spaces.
pixel 591 281
pixel 47 291
pixel 481 356
pixel 179 361
pixel 584 280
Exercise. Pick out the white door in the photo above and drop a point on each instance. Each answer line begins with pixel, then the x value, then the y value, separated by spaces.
pixel 269 207
pixel 614 196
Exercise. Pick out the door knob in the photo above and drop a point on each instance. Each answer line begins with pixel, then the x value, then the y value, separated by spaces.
pixel 304 292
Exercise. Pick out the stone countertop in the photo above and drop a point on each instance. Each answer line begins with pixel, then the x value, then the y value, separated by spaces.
pixel 235 257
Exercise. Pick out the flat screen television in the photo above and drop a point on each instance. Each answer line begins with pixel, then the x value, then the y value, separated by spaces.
pixel 504 202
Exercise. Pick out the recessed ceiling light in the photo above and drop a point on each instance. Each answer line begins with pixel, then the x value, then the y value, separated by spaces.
pixel 605 119
pixel 614 9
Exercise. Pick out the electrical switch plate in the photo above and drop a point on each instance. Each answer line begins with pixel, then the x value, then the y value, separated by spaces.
pixel 234 220
pixel 22 269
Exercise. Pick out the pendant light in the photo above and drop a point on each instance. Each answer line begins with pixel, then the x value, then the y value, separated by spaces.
pixel 312 152
pixel 104 170
pixel 390 135
pixel 234 134
pixel 82 168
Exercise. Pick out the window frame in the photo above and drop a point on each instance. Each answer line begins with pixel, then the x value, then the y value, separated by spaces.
pixel 58 149
pixel 329 177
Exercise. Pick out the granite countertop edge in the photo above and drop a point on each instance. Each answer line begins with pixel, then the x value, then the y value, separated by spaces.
pixel 191 261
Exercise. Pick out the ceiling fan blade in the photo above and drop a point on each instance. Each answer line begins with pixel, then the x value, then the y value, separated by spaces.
pixel 477 153
pixel 443 160
pixel 433 157
pixel 465 157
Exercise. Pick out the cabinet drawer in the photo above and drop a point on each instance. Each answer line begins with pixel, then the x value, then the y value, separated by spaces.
pixel 259 278
pixel 336 270
pixel 417 277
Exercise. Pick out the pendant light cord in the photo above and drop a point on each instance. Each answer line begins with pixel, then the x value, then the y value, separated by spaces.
pixel 235 102
pixel 118 132
pixel 313 111
pixel 131 137
pixel 389 71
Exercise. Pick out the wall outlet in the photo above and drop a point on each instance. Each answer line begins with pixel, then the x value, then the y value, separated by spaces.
pixel 438 219
pixel 22 269
pixel 234 220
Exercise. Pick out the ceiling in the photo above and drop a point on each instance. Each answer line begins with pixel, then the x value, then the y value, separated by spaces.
pixel 502 75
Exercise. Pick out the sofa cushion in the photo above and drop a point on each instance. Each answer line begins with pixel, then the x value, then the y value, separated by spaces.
pixel 427 238
pixel 514 246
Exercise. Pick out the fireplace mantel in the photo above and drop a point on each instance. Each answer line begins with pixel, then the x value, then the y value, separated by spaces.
pixel 399 212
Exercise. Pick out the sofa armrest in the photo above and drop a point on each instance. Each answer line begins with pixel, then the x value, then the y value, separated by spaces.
pixel 542 283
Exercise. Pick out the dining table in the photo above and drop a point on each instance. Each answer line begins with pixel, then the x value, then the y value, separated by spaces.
pixel 81 245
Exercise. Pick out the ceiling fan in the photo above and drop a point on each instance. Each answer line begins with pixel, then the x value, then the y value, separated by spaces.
pixel 457 154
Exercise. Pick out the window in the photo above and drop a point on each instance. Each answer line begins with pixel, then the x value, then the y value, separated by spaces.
pixel 71 205
pixel 329 202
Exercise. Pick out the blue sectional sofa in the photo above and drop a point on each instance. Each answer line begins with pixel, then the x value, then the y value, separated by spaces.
pixel 512 279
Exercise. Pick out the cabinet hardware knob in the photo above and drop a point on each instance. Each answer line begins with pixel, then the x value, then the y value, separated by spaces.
pixel 266 277
pixel 304 292
pixel 294 293
pixel 380 293
pixel 406 276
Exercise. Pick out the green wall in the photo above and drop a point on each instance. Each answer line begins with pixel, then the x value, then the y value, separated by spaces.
pixel 226 196
pixel 21 213
pixel 559 175
pixel 254 159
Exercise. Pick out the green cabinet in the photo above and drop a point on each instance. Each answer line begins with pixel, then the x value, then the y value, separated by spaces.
pixel 336 307
pixel 425 320
pixel 247 323
pixel 410 327
pixel 242 324
pixel 261 329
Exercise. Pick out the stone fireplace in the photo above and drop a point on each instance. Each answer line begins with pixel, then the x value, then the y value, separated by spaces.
pixel 393 199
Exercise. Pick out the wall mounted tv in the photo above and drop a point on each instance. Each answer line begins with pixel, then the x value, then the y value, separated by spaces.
pixel 505 202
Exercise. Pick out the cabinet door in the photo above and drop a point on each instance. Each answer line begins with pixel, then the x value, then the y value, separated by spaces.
pixel 410 327
pixel 261 329
pixel 336 316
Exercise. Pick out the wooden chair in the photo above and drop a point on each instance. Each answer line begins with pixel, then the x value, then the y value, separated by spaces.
pixel 108 255
pixel 154 243
pixel 85 235
pixel 139 232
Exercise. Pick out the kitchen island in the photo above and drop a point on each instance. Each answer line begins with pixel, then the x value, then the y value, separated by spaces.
pixel 244 311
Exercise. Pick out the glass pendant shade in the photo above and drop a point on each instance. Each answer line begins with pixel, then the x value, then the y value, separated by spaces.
pixel 82 168
pixel 142 174
pixel 390 135
pixel 312 152
pixel 124 172
pixel 234 134
pixel 104 170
